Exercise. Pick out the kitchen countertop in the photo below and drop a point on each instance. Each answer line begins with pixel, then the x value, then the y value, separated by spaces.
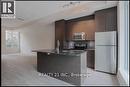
pixel 84 49
pixel 62 52
pixel 90 49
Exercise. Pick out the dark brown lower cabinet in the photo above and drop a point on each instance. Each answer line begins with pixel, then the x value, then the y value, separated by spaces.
pixel 90 58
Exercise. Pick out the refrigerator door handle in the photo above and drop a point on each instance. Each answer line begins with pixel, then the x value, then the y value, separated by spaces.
pixel 113 60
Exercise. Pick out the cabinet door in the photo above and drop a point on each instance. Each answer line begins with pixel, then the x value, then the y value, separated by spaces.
pixel 90 59
pixel 85 24
pixel 90 30
pixel 106 19
pixel 60 32
pixel 111 19
pixel 100 21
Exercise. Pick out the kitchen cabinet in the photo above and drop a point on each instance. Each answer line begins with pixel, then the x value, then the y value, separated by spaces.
pixel 111 19
pixel 100 21
pixel 84 24
pixel 60 32
pixel 106 20
pixel 61 65
pixel 90 58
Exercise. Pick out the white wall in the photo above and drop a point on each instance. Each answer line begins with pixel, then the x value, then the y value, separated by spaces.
pixel 4 49
pixel 3 40
pixel 37 36
pixel 121 45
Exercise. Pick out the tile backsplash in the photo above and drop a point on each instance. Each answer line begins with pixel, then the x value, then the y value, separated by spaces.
pixel 90 44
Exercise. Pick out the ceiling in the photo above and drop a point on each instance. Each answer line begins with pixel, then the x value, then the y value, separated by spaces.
pixel 29 10
pixel 48 11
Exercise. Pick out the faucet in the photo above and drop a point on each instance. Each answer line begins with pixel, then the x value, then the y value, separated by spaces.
pixel 58 46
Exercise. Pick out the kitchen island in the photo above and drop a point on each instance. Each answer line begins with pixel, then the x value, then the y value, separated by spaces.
pixel 66 65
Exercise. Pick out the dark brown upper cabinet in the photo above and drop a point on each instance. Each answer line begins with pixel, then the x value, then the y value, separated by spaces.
pixel 111 19
pixel 83 24
pixel 100 21
pixel 106 20
pixel 60 32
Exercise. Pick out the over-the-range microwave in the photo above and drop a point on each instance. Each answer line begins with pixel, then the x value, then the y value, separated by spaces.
pixel 79 36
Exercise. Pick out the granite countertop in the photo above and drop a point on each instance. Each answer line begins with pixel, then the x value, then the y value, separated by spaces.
pixel 84 49
pixel 62 52
pixel 90 49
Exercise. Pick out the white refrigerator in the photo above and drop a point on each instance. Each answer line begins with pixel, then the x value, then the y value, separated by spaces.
pixel 106 51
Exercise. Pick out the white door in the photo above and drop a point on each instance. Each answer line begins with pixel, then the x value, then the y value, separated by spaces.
pixel 105 59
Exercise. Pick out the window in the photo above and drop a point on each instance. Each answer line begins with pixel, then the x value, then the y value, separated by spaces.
pixel 126 60
pixel 12 39
pixel 124 44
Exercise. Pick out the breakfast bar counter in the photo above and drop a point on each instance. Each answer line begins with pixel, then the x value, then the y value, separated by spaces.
pixel 66 65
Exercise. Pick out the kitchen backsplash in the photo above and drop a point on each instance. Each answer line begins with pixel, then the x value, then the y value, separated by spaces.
pixel 91 44
pixel 77 44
